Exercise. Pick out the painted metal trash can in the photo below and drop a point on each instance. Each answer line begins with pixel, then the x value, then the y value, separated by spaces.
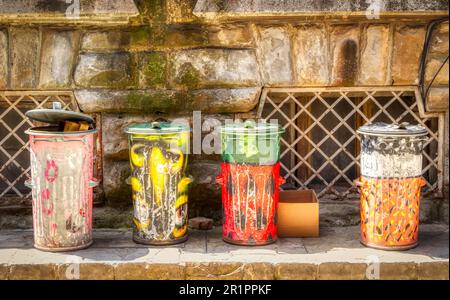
pixel 390 184
pixel 250 180
pixel 62 179
pixel 158 159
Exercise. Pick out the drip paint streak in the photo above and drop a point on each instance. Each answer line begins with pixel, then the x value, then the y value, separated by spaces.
pixel 249 198
pixel 159 189
pixel 62 197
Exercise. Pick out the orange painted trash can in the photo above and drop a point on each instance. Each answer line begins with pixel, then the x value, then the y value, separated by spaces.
pixel 390 184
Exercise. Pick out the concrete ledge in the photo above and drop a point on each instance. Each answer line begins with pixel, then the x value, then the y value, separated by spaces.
pixel 102 12
pixel 337 254
pixel 214 10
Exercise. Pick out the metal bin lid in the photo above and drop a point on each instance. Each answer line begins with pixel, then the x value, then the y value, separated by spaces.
pixel 396 130
pixel 56 115
pixel 158 127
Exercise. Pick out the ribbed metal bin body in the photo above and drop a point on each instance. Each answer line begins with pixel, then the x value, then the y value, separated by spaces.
pixel 62 183
pixel 250 180
pixel 159 184
pixel 390 185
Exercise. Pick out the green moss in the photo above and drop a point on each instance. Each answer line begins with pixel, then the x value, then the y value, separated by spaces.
pixel 154 69
pixel 189 76
pixel 153 10
pixel 151 102
pixel 110 79
pixel 186 36
pixel 139 37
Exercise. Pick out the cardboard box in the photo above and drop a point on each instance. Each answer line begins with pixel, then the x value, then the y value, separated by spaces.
pixel 298 214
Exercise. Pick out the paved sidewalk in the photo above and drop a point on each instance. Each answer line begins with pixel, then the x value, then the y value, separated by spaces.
pixel 337 254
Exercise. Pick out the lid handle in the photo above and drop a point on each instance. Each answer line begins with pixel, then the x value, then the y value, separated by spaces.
pixel 56 105
pixel 403 125
pixel 156 125
pixel 249 124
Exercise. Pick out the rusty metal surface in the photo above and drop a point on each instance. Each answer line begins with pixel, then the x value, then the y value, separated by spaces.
pixel 62 182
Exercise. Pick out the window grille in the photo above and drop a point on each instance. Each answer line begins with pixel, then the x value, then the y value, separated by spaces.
pixel 14 153
pixel 320 148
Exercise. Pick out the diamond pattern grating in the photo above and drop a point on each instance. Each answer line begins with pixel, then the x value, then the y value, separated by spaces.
pixel 320 148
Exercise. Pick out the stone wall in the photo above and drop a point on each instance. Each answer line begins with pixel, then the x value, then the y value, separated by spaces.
pixel 168 62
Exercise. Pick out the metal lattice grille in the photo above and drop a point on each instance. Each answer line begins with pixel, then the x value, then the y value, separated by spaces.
pixel 320 148
pixel 14 154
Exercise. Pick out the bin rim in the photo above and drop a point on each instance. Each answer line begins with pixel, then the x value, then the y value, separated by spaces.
pixel 156 128
pixel 33 131
pixel 252 128
pixel 392 130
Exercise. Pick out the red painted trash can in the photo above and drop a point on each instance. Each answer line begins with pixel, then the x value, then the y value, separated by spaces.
pixel 61 180
pixel 250 180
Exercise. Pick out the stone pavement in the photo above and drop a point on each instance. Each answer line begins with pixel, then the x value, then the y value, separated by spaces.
pixel 337 254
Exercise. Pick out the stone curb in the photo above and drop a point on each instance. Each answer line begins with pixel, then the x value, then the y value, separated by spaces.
pixel 438 270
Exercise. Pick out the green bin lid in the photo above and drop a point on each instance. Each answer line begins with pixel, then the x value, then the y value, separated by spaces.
pixel 157 127
pixel 252 128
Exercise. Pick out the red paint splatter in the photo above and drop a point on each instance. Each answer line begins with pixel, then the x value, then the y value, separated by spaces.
pixel 48 210
pixel 51 171
pixel 45 194
pixel 82 213
pixel 249 198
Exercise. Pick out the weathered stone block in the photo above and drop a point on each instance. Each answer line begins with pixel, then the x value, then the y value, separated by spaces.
pixel 375 55
pixel 344 45
pixel 204 194
pixel 150 271
pixel 57 59
pixel 214 67
pixel 153 10
pixel 311 52
pixel 342 271
pixel 137 101
pixel 104 41
pixel 432 69
pixel 180 11
pixel 439 42
pixel 437 99
pixel 32 272
pixel 225 100
pixel 3 59
pixel 258 271
pixel 24 57
pixel 186 36
pixel 214 271
pixel 87 271
pixel 408 45
pixel 152 69
pixel 115 175
pixel 4 272
pixel 115 140
pixel 104 70
pixel 398 271
pixel 275 53
pixel 433 270
pixel 231 36
pixel 292 271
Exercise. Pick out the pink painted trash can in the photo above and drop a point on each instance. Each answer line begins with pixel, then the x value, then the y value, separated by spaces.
pixel 61 180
